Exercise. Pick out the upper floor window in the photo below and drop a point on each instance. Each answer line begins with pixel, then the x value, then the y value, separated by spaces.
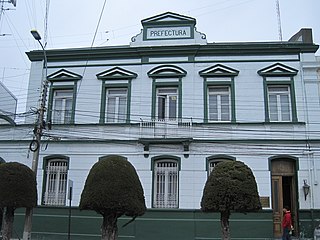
pixel 280 102
pixel 167 92
pixel 219 98
pixel 116 92
pixel 62 102
pixel 62 106
pixel 219 103
pixel 116 111
pixel 56 175
pixel 165 180
pixel 167 103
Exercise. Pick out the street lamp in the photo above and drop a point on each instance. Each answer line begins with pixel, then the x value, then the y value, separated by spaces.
pixel 35 143
pixel 306 189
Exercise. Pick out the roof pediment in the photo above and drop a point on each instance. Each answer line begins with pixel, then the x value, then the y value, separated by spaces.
pixel 64 75
pixel 218 70
pixel 278 69
pixel 116 73
pixel 168 17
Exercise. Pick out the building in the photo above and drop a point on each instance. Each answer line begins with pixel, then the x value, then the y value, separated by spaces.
pixel 8 105
pixel 175 105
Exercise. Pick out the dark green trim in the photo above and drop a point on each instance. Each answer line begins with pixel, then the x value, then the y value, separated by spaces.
pixel 161 25
pixel 145 61
pixel 218 82
pixel 218 157
pixel 290 84
pixel 105 86
pixel 62 87
pixel 167 71
pixel 111 155
pixel 166 158
pixel 46 160
pixel 156 85
pixel 219 70
pixel 8 119
pixel 284 157
pixel 278 70
pixel 64 75
pixel 211 49
pixel 116 73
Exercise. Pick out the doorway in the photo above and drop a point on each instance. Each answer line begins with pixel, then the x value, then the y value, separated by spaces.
pixel 284 192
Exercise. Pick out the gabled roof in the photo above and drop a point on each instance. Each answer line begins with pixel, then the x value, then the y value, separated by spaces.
pixel 218 70
pixel 278 69
pixel 64 75
pixel 116 73
pixel 168 17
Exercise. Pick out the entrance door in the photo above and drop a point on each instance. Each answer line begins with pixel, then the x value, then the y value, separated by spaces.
pixel 283 193
pixel 277 205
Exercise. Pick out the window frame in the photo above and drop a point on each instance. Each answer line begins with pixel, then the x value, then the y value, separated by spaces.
pixel 115 77
pixel 219 104
pixel 272 82
pixel 166 76
pixel 116 113
pixel 217 159
pixel 46 162
pixel 154 162
pixel 54 89
pixel 219 75
pixel 63 80
pixel 279 74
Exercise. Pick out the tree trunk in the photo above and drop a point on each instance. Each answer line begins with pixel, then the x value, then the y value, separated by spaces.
pixel 109 227
pixel 8 223
pixel 224 220
pixel 1 217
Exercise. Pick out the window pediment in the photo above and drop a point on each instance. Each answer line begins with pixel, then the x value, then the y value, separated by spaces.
pixel 278 69
pixel 116 73
pixel 167 71
pixel 64 75
pixel 218 70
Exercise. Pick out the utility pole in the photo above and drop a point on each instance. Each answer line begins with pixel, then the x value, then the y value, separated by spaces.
pixel 40 125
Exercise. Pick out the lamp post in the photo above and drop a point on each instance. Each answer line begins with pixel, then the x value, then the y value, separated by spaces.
pixel 35 143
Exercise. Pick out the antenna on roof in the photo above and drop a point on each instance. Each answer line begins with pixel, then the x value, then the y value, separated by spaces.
pixel 2 9
pixel 279 20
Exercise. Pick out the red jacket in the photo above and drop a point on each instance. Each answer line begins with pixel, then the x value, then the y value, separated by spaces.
pixel 286 222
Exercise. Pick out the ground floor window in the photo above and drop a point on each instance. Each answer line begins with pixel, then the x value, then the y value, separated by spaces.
pixel 56 183
pixel 165 184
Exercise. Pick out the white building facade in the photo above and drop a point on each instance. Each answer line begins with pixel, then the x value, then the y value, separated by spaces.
pixel 175 105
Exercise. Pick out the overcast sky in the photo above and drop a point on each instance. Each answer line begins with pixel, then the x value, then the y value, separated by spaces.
pixel 74 23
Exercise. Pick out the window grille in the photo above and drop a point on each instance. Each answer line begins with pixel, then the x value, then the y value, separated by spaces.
pixel 166 185
pixel 56 183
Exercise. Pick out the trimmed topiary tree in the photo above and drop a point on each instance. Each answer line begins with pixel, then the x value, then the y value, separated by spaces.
pixel 113 189
pixel 18 188
pixel 231 186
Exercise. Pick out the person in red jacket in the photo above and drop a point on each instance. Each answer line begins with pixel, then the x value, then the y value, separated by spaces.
pixel 286 224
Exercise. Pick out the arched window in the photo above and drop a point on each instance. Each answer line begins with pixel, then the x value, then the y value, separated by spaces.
pixel 56 175
pixel 212 161
pixel 165 179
